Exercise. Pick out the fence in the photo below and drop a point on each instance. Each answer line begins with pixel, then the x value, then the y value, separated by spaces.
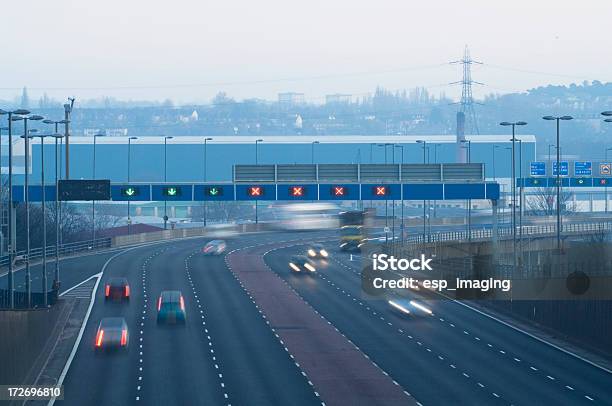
pixel 64 250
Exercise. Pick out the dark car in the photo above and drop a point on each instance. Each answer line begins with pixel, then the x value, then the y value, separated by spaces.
pixel 301 263
pixel 317 251
pixel 112 334
pixel 117 289
pixel 171 307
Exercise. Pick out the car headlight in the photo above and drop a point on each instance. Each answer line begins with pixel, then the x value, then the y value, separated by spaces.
pixel 312 253
pixel 324 253
pixel 310 267
pixel 294 267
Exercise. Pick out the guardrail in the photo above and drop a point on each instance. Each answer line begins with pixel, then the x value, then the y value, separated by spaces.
pixel 63 250
pixel 506 232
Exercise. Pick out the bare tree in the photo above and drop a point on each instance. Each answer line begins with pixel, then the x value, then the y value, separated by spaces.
pixel 544 202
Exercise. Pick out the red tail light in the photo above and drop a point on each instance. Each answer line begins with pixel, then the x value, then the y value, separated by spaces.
pixel 99 338
pixel 127 290
pixel 123 338
pixel 159 304
pixel 107 291
pixel 182 304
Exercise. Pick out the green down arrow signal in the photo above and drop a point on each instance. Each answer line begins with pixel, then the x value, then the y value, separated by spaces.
pixel 130 191
pixel 171 191
pixel 213 191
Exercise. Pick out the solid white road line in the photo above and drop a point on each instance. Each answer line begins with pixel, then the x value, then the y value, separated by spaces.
pixel 535 337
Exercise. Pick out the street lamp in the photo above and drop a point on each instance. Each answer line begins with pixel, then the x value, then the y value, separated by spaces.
pixel 166 138
pixel 206 139
pixel 513 125
pixel 606 186
pixel 1 186
pixel 11 244
pixel 57 230
pixel 93 202
pixel 402 211
pixel 424 142
pixel 312 150
pixel 129 220
pixel 558 119
pixel 44 217
pixel 256 162
pixel 26 138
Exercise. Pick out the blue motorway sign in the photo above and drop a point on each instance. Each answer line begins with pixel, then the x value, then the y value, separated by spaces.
pixel 581 182
pixel 213 192
pixel 424 192
pixel 293 191
pixel 537 168
pixel 381 192
pixel 297 192
pixel 583 168
pixel 564 168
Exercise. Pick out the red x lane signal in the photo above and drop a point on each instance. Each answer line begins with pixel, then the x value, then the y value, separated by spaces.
pixel 255 191
pixel 297 191
pixel 339 191
pixel 380 190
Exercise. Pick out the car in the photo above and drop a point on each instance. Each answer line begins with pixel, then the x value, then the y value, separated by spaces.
pixel 117 289
pixel 301 263
pixel 112 334
pixel 214 247
pixel 171 307
pixel 317 251
pixel 406 306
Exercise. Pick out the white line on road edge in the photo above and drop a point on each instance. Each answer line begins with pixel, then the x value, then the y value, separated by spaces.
pixel 535 337
pixel 81 283
pixel 60 381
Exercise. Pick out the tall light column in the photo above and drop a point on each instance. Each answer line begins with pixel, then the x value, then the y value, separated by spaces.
pixel 166 138
pixel 93 202
pixel 559 225
pixel 129 219
pixel 205 175
pixel 12 242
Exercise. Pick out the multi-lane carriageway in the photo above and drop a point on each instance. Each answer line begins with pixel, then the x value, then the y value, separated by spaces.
pixel 258 335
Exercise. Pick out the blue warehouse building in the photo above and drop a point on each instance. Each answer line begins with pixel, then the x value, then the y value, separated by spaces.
pixel 188 160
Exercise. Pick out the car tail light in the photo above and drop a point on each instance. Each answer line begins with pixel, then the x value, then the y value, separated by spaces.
pixel 123 337
pixel 107 291
pixel 127 290
pixel 99 338
pixel 159 304
pixel 182 303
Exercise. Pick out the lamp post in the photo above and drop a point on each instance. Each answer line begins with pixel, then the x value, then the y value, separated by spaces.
pixel 56 284
pixel 424 142
pixel 25 136
pixel 559 225
pixel 166 138
pixel 206 139
pixel 44 217
pixel 469 202
pixel 93 202
pixel 402 211
pixel 57 137
pixel 11 244
pixel 607 120
pixel 513 183
pixel 606 186
pixel 129 220
pixel 256 163
pixel 1 187
pixel 312 151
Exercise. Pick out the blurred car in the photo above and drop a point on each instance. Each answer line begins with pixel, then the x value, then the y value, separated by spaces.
pixel 214 247
pixel 317 251
pixel 112 334
pixel 301 263
pixel 171 307
pixel 117 289
pixel 407 306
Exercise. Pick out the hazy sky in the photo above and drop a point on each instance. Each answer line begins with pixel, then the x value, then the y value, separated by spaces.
pixel 153 49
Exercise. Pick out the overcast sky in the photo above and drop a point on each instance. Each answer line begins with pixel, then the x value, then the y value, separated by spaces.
pixel 154 49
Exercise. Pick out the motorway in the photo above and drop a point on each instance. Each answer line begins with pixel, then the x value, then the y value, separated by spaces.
pixel 232 350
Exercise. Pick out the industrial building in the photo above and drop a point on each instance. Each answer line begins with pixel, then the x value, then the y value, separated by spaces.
pixel 191 159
